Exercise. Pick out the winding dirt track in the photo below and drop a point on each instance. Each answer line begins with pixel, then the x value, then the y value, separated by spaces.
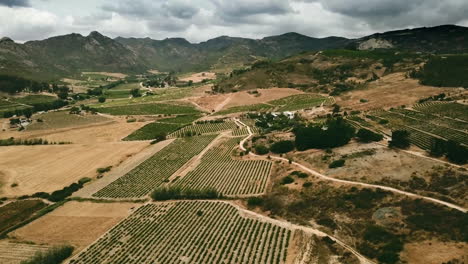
pixel 447 204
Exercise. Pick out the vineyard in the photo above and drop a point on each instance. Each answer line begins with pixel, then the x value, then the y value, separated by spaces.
pixel 452 110
pixel 153 130
pixel 156 170
pixel 290 103
pixel 7 106
pixel 199 129
pixel 189 232
pixel 402 120
pixel 148 109
pixel 228 176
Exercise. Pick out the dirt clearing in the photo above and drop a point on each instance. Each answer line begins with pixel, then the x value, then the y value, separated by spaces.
pixel 75 223
pixel 200 76
pixel 31 169
pixel 109 74
pixel 213 102
pixel 434 252
pixel 390 91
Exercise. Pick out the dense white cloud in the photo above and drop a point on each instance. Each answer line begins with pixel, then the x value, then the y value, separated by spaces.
pixel 199 20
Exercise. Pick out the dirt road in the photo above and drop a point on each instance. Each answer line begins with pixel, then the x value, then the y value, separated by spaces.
pixel 322 176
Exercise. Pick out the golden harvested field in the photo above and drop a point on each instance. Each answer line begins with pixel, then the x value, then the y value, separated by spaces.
pixel 113 130
pixel 390 91
pixel 434 252
pixel 12 252
pixel 52 167
pixel 109 74
pixel 75 223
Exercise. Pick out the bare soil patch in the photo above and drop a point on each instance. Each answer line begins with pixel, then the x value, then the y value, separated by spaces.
pixel 12 252
pixel 200 76
pixel 49 168
pixel 16 212
pixel 110 74
pixel 390 91
pixel 113 130
pixel 223 101
pixel 75 223
pixel 434 252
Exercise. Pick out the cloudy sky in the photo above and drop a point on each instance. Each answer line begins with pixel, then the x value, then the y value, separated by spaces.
pixel 199 20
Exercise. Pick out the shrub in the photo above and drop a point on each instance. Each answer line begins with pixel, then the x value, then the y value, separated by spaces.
pixel 283 146
pixel 307 184
pixel 300 174
pixel 261 150
pixel 287 180
pixel 104 170
pixel 55 255
pixel 102 99
pixel 337 164
pixel 366 136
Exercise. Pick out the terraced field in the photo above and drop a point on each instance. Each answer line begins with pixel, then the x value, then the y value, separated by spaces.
pixel 207 128
pixel 189 232
pixel 156 170
pixel 220 171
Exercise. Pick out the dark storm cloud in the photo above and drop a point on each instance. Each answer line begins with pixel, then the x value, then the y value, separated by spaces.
pixel 12 3
pixel 242 8
pixel 399 13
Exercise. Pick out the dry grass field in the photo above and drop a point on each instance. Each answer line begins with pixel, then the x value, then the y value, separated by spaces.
pixel 390 91
pixel 49 168
pixel 75 223
pixel 200 76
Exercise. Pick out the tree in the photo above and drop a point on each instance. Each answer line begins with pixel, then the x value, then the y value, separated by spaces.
pixel 283 146
pixel 336 108
pixel 27 112
pixel 456 153
pixel 135 92
pixel 261 149
pixel 190 83
pixel 366 136
pixel 334 133
pixel 438 147
pixel 102 99
pixel 400 139
pixel 63 92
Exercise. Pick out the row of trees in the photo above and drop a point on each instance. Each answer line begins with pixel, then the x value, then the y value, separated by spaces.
pixel 13 84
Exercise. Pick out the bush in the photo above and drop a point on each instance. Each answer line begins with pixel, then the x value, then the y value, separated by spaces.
pixel 366 136
pixel 102 99
pixel 307 184
pixel 300 174
pixel 287 180
pixel 104 170
pixel 177 193
pixel 337 164
pixel 261 150
pixel 55 255
pixel 283 146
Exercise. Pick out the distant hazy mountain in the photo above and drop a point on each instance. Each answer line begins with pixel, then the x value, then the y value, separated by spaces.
pixel 71 54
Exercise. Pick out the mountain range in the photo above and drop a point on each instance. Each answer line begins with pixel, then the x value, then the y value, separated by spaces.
pixel 71 54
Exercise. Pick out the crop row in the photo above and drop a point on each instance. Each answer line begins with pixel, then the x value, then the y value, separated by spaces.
pixel 148 109
pixel 453 110
pixel 189 232
pixel 427 117
pixel 228 176
pixel 156 170
pixel 396 119
pixel 198 129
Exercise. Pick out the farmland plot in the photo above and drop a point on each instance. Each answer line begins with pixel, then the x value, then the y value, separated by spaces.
pixel 205 128
pixel 154 171
pixel 148 109
pixel 453 110
pixel 189 232
pixel 15 253
pixel 228 176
